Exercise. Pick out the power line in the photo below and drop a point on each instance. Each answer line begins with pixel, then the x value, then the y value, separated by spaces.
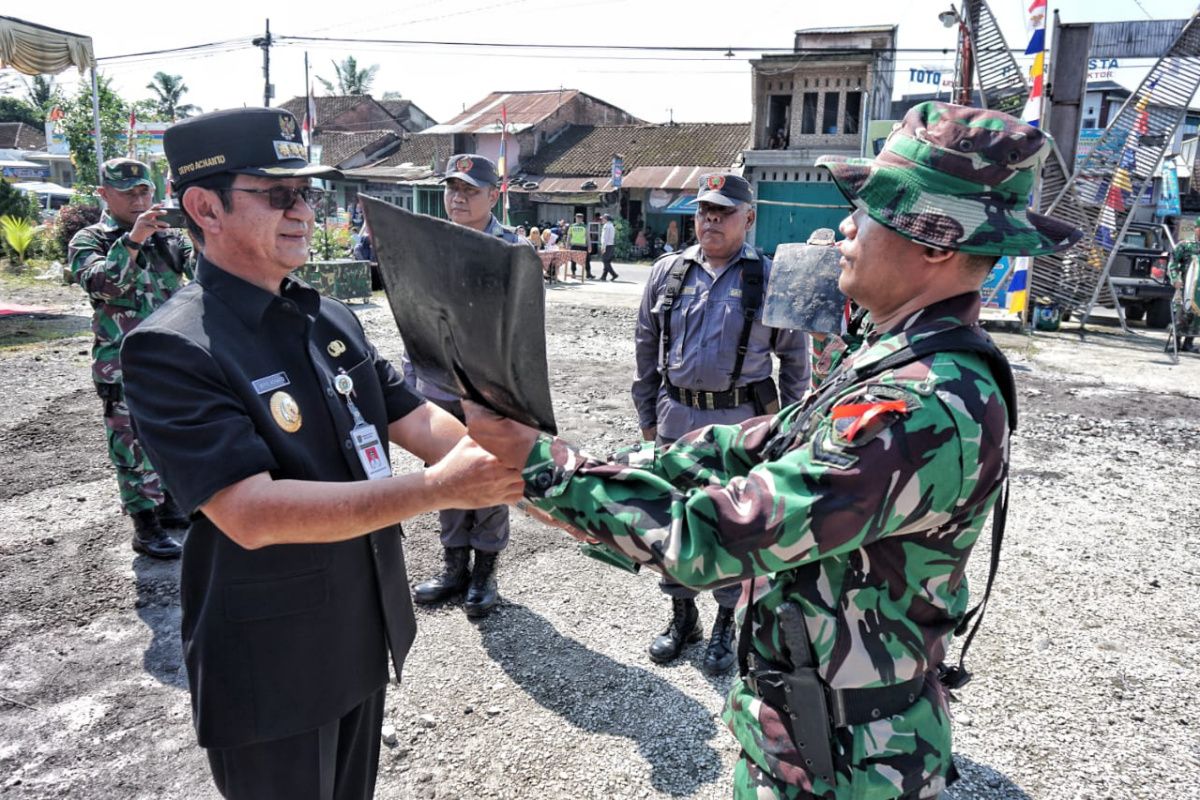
pixel 171 50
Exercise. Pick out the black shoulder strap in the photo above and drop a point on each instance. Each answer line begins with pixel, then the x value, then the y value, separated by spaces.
pixel 675 278
pixel 752 298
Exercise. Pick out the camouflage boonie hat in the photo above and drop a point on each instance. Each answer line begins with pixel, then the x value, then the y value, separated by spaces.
pixel 123 174
pixel 956 178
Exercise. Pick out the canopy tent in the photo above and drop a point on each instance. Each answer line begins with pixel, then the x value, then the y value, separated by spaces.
pixel 39 50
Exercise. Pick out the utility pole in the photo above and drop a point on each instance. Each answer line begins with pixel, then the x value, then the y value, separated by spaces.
pixel 265 43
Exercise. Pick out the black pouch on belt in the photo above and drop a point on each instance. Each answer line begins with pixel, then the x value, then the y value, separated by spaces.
pixel 765 396
pixel 798 696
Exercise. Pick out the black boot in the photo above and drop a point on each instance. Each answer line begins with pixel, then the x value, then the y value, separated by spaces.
pixel 718 656
pixel 452 580
pixel 150 539
pixel 1188 345
pixel 684 628
pixel 170 516
pixel 482 594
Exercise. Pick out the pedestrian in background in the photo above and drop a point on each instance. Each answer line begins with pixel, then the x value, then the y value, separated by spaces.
pixel 608 240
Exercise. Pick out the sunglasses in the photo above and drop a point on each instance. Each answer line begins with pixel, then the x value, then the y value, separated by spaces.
pixel 281 198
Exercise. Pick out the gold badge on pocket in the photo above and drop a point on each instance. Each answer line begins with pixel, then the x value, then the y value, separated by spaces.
pixel 285 412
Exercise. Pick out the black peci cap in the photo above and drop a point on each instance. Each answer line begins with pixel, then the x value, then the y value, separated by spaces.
pixel 245 141
pixel 474 169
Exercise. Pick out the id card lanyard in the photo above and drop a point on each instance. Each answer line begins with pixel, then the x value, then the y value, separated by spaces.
pixel 364 435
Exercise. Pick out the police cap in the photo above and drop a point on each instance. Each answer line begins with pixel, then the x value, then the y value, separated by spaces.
pixel 724 189
pixel 243 141
pixel 474 169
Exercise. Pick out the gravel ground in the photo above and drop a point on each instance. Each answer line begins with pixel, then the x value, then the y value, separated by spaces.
pixel 1084 669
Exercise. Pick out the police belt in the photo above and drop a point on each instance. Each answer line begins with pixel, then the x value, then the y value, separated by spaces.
pixel 846 707
pixel 708 401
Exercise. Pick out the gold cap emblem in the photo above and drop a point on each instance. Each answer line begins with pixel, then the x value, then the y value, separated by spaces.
pixel 287 126
pixel 336 348
pixel 285 412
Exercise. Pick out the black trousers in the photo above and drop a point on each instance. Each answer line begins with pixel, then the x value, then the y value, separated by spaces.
pixel 607 258
pixel 337 761
pixel 583 248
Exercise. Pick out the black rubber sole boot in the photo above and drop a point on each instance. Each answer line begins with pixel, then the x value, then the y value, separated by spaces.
pixel 482 592
pixel 682 630
pixel 150 539
pixel 452 581
pixel 719 655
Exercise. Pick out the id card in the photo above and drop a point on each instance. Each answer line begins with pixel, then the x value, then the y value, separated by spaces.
pixel 370 452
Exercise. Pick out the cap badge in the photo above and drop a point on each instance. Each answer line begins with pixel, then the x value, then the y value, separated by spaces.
pixel 285 412
pixel 287 126
pixel 336 348
pixel 715 182
pixel 464 165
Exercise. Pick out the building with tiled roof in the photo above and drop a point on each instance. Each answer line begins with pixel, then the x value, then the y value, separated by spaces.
pixel 345 149
pixel 359 113
pixel 589 149
pixel 20 136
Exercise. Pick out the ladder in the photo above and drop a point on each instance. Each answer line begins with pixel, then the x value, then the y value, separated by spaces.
pixel 1001 82
pixel 1100 197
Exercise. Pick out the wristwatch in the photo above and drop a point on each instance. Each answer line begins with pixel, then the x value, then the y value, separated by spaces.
pixel 130 243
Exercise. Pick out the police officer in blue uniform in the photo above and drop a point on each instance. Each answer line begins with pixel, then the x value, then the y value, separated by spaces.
pixel 269 413
pixel 471 191
pixel 704 358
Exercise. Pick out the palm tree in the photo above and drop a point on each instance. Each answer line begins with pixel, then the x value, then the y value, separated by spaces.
pixel 169 90
pixel 42 92
pixel 350 79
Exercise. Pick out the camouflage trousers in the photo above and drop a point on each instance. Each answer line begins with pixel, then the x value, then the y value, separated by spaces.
pixel 139 484
pixel 1187 322
pixel 751 783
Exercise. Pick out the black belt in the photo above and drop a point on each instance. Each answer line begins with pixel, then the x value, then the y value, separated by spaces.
pixel 846 706
pixel 708 401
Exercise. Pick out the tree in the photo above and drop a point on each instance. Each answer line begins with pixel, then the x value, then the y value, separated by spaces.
pixel 169 90
pixel 42 93
pixel 392 96
pixel 77 125
pixel 350 79
pixel 13 109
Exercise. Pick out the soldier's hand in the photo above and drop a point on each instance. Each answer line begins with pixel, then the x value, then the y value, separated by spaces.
pixel 1177 284
pixel 510 441
pixel 650 434
pixel 471 477
pixel 147 223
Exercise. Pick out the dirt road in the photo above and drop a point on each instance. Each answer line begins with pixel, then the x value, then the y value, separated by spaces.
pixel 1086 670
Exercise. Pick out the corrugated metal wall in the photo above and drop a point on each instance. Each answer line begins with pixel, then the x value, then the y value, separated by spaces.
pixel 1135 39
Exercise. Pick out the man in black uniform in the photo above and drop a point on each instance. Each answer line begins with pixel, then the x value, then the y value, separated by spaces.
pixel 269 414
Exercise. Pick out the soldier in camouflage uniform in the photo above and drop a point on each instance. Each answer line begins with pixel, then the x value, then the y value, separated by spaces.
pixel 129 264
pixel 1186 309
pixel 850 515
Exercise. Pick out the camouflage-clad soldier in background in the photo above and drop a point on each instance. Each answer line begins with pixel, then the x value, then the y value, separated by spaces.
pixel 129 264
pixel 851 514
pixel 1187 307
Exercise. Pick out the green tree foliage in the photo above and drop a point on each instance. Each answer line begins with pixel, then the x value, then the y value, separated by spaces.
pixel 42 94
pixel 350 79
pixel 71 219
pixel 77 124
pixel 16 203
pixel 14 109
pixel 168 93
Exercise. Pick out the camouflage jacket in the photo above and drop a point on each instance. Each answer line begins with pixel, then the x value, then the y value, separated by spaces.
pixel 123 290
pixel 865 522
